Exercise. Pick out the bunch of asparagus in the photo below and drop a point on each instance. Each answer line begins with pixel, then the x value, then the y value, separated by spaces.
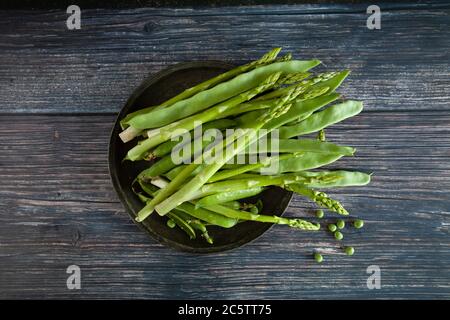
pixel 270 97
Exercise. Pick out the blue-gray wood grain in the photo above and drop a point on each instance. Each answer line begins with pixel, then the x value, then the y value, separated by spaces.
pixel 58 207
pixel 46 68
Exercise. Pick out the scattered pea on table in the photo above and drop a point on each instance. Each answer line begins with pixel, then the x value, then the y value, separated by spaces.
pixel 318 257
pixel 358 223
pixel 338 235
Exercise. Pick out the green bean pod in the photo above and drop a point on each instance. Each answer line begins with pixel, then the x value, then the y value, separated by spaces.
pixel 182 224
pixel 303 145
pixel 223 197
pixel 308 160
pixel 323 119
pixel 195 224
pixel 346 179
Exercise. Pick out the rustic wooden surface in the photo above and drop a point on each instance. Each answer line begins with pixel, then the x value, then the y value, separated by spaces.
pixel 60 90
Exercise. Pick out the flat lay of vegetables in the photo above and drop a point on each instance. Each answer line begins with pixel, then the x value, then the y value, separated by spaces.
pixel 214 148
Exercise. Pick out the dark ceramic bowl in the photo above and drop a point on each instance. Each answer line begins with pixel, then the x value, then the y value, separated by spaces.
pixel 153 91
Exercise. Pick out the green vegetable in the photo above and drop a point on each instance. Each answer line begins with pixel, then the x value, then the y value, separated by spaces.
pixel 321 135
pixel 299 108
pixel 254 210
pixel 195 224
pixel 320 214
pixel 222 197
pixel 319 120
pixel 243 215
pixel 305 84
pixel 166 147
pixel 358 224
pixel 265 59
pixel 239 169
pixel 171 224
pixel 349 251
pixel 318 257
pixel 338 235
pixel 189 208
pixel 259 181
pixel 340 224
pixel 231 204
pixel 307 161
pixel 255 100
pixel 303 145
pixel 158 168
pixel 182 224
pixel 346 178
pixel 208 171
pixel 321 198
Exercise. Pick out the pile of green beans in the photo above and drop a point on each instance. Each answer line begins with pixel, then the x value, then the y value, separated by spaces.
pixel 275 97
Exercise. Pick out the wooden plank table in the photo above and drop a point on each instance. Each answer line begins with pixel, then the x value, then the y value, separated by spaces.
pixel 60 91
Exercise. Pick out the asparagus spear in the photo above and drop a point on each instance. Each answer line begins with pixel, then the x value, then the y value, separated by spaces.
pixel 243 215
pixel 322 77
pixel 321 198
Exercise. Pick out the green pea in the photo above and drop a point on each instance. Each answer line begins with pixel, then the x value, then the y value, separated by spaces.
pixel 170 223
pixel 349 251
pixel 340 224
pixel 321 135
pixel 338 235
pixel 254 210
pixel 319 214
pixel 332 227
pixel 318 257
pixel 358 223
